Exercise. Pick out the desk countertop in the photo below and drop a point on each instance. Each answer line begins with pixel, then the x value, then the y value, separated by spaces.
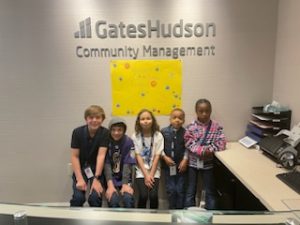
pixel 86 213
pixel 90 216
pixel 258 173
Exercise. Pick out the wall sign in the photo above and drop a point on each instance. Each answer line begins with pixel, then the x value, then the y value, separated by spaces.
pixel 103 30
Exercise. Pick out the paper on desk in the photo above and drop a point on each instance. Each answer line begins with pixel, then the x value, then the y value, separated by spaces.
pixel 265 118
pixel 261 125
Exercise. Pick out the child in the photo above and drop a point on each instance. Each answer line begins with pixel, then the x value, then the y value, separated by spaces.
pixel 149 144
pixel 176 159
pixel 118 165
pixel 88 149
pixel 203 137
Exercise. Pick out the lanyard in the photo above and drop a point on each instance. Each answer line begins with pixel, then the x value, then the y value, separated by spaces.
pixel 203 142
pixel 144 144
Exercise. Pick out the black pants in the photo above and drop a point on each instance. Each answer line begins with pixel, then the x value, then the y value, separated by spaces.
pixel 145 193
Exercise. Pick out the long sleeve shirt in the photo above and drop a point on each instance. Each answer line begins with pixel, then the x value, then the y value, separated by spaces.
pixel 201 152
pixel 119 161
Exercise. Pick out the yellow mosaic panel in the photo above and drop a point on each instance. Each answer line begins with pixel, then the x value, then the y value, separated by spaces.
pixel 152 84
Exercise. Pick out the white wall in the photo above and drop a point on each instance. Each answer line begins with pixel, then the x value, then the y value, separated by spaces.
pixel 44 87
pixel 287 64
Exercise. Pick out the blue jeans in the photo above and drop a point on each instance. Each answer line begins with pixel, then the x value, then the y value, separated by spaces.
pixel 128 200
pixel 78 198
pixel 208 185
pixel 175 187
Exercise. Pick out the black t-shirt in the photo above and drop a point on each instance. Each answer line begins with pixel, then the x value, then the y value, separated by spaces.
pixel 89 146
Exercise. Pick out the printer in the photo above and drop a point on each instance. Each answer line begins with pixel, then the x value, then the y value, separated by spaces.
pixel 284 147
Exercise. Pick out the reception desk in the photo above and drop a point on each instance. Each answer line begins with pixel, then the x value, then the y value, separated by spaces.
pixel 37 215
pixel 257 173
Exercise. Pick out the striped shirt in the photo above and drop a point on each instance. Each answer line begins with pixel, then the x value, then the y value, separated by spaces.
pixel 201 154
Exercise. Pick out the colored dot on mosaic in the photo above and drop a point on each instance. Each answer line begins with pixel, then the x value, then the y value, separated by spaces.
pixel 153 83
pixel 127 65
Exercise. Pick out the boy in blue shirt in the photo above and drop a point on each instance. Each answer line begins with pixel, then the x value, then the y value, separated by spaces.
pixel 175 157
pixel 88 149
pixel 119 163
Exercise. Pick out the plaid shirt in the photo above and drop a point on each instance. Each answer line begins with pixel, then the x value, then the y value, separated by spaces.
pixel 201 156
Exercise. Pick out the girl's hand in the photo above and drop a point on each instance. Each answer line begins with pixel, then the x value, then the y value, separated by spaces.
pixel 207 154
pixel 149 181
pixel 183 166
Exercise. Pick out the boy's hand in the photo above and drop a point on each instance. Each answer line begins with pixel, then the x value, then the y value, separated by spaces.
pixel 81 185
pixel 169 161
pixel 109 192
pixel 126 188
pixel 183 166
pixel 96 185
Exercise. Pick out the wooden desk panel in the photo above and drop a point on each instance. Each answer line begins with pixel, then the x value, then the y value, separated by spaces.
pixel 258 173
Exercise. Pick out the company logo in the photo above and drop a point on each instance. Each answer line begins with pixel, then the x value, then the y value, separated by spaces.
pixel 148 29
pixel 85 29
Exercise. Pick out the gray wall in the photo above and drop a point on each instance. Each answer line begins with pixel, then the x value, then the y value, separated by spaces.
pixel 44 86
pixel 287 66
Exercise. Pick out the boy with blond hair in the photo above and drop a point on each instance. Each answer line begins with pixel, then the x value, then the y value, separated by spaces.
pixel 88 149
